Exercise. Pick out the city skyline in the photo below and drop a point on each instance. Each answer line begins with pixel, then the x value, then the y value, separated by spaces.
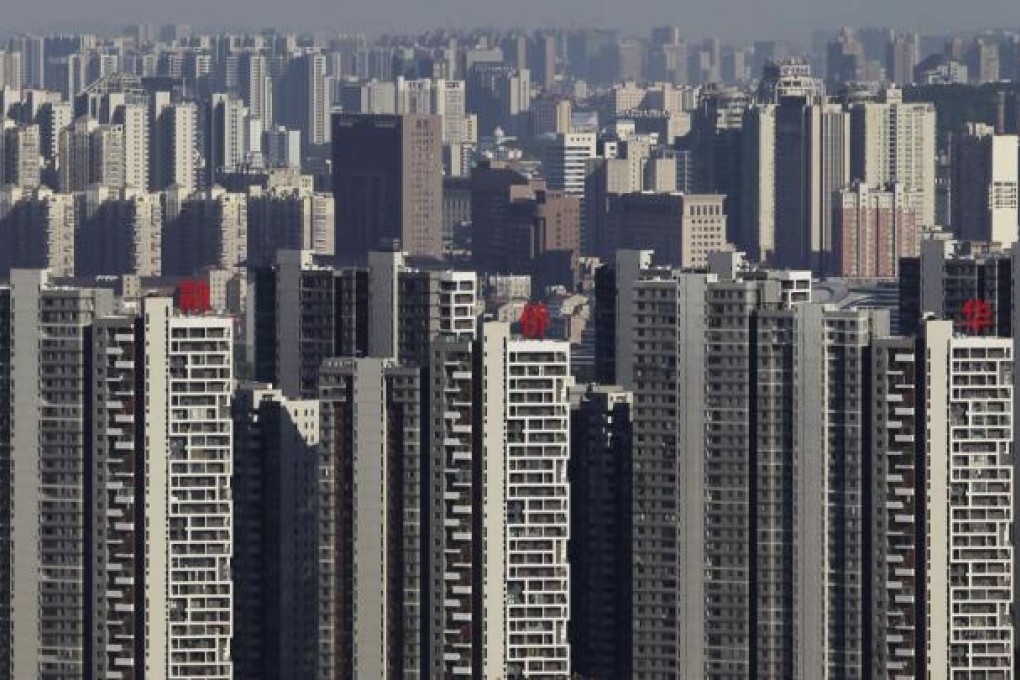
pixel 792 24
pixel 519 355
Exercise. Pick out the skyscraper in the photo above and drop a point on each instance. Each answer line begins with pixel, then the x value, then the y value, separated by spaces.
pixel 387 183
pixel 564 161
pixel 21 157
pixel 276 464
pixel 601 438
pixel 873 228
pixel 37 227
pixel 303 102
pixel 812 161
pixel 371 577
pixel 984 185
pixel 118 232
pixel 48 449
pixel 164 604
pixel 894 141
pixel 174 146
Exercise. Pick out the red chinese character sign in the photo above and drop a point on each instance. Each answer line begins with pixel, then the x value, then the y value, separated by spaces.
pixel 534 321
pixel 192 297
pixel 977 316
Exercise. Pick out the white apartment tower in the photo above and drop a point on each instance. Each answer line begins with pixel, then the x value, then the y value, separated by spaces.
pixel 134 122
pixel 968 433
pixel 449 100
pixel 170 376
pixel 255 86
pixel 537 575
pixel 189 380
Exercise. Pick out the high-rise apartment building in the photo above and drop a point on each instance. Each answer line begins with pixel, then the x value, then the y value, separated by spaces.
pixel 276 465
pixel 717 129
pixel 537 530
pixel 873 228
pixel 984 185
pixel 255 85
pixel 387 184
pixel 162 605
pixel 307 312
pixel 288 219
pixel 11 69
pixel 845 60
pixel 118 232
pixel 20 156
pixel 729 474
pixel 174 147
pixel 370 577
pixel 449 100
pixel 37 228
pixel 225 135
pixel 894 141
pixel 946 276
pixel 464 507
pixel 208 229
pixel 90 153
pixel 901 56
pixel 601 441
pixel 303 102
pixel 499 94
pixel 298 325
pixel 46 528
pixel 133 118
pixel 812 161
pixel 757 223
pixel 963 420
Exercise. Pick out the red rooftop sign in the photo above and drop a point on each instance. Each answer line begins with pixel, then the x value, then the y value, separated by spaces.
pixel 534 321
pixel 977 316
pixel 192 297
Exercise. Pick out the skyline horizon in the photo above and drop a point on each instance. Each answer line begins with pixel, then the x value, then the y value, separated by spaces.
pixel 801 34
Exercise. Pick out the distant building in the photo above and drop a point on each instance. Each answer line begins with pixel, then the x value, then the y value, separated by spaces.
pixel 984 185
pixel 387 184
pixel 873 229
pixel 681 229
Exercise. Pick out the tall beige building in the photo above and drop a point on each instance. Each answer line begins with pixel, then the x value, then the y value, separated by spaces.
pixel 682 229
pixel 894 141
pixel 20 158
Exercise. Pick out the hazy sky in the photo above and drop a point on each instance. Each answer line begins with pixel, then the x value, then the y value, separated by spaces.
pixel 733 19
